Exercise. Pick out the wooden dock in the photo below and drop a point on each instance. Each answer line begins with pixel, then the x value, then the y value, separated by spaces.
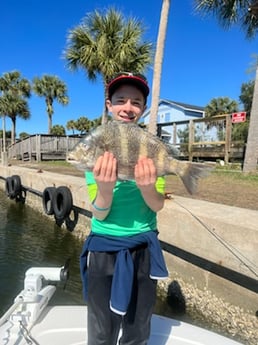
pixel 42 147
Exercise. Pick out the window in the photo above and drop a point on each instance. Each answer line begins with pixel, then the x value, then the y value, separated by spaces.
pixel 167 117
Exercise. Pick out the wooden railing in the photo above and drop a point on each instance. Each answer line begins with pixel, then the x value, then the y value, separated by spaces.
pixel 42 147
pixel 196 146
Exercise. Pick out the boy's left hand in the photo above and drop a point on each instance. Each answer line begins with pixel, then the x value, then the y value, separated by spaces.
pixel 145 172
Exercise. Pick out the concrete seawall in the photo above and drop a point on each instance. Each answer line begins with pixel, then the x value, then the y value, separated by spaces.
pixel 226 237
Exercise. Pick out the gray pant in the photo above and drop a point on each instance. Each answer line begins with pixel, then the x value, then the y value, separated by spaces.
pixel 103 324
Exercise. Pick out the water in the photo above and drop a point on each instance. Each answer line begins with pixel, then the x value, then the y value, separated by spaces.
pixel 28 239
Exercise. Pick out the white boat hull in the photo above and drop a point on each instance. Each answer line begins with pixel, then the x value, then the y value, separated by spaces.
pixel 30 320
pixel 67 325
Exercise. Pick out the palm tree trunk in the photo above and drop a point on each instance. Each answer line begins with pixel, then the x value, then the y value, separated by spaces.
pixel 49 123
pixel 105 110
pixel 49 103
pixel 158 67
pixel 251 154
pixel 4 134
pixel 13 134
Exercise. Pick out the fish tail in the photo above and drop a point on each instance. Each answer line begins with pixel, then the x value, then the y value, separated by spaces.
pixel 190 172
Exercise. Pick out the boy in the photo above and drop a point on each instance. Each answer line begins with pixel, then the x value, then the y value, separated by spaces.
pixel 121 259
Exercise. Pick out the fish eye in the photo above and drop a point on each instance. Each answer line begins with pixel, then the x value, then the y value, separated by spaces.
pixel 85 146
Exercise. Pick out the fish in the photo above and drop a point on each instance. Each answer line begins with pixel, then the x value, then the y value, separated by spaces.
pixel 128 142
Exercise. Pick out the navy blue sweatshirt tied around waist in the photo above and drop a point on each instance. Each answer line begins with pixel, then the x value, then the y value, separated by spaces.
pixel 124 269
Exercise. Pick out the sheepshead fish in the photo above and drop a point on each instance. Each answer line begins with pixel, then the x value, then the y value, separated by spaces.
pixel 128 141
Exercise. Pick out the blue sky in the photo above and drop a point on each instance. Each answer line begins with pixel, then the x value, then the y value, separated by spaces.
pixel 201 60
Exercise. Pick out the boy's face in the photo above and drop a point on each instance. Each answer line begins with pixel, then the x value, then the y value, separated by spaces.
pixel 127 104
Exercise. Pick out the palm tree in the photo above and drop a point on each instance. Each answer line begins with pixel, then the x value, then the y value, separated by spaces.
pixel 246 97
pixel 83 124
pixel 15 91
pixel 96 122
pixel 71 124
pixel 58 130
pixel 245 13
pixel 105 44
pixel 220 106
pixel 158 66
pixel 51 88
pixel 14 106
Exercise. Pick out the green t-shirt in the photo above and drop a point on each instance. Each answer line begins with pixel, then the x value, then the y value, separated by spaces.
pixel 129 214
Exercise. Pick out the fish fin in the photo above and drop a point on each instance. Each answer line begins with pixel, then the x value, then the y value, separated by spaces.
pixel 172 150
pixel 191 174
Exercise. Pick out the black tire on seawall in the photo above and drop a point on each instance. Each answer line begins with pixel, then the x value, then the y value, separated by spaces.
pixel 8 186
pixel 47 200
pixel 13 186
pixel 62 202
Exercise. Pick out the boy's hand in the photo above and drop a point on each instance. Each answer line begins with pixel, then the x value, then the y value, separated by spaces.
pixel 105 172
pixel 145 173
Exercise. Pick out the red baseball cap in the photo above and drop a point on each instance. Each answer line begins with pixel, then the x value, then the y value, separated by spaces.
pixel 136 79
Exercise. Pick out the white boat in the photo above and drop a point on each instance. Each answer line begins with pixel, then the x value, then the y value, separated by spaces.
pixel 31 320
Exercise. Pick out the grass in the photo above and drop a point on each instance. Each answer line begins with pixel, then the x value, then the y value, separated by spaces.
pixel 236 175
pixel 56 163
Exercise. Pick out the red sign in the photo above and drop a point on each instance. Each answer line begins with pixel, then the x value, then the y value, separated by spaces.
pixel 238 117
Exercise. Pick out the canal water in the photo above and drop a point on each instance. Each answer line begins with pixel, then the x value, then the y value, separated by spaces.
pixel 28 239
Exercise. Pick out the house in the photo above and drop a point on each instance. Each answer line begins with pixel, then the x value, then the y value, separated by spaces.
pixel 171 111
